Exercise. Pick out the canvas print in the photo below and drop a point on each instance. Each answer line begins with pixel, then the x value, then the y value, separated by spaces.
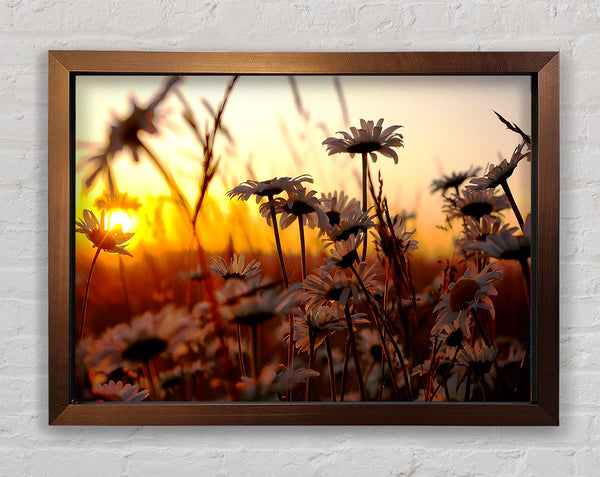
pixel 302 238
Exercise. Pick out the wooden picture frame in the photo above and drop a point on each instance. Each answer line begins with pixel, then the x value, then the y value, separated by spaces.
pixel 543 67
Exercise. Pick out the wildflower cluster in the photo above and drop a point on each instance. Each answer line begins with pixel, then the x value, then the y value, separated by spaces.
pixel 364 318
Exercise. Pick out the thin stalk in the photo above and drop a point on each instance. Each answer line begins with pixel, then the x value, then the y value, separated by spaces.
pixel 445 377
pixel 513 204
pixel 290 357
pixel 468 388
pixel 254 350
pixel 503 384
pixel 381 378
pixel 353 349
pixel 520 372
pixel 376 312
pixel 331 372
pixel 278 244
pixel 482 381
pixel 434 351
pixel 239 347
pixel 150 378
pixel 175 190
pixel 87 289
pixel 527 276
pixel 311 347
pixel 365 171
pixel 302 246
pixel 345 368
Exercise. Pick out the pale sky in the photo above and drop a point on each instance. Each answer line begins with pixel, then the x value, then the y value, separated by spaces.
pixel 448 125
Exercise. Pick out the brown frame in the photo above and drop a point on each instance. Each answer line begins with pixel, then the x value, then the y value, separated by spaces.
pixel 543 410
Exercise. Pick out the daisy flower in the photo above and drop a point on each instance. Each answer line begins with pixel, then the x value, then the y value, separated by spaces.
pixel 262 306
pixel 476 231
pixel 353 224
pixel 268 188
pixel 338 207
pixel 321 321
pixel 496 175
pixel 505 244
pixel 117 201
pixel 323 289
pixel 344 253
pixel 479 357
pixel 125 133
pixel 475 203
pixel 144 338
pixel 399 242
pixel 97 232
pixel 369 345
pixel 119 392
pixel 369 139
pixel 368 275
pixel 465 294
pixel 453 181
pixel 236 268
pixel 302 205
pixel 450 335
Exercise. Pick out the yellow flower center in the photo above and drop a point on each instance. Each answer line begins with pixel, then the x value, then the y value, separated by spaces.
pixel 463 293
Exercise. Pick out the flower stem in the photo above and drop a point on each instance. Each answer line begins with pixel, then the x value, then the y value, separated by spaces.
pixel 527 276
pixel 513 204
pixel 376 312
pixel 171 183
pixel 468 386
pixel 331 372
pixel 302 246
pixel 311 347
pixel 345 368
pixel 290 360
pixel 278 244
pixel 445 377
pixel 254 350
pixel 150 378
pixel 503 384
pixel 87 290
pixel 365 172
pixel 239 347
pixel 361 386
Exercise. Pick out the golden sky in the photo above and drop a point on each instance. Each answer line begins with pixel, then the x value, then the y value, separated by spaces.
pixel 448 125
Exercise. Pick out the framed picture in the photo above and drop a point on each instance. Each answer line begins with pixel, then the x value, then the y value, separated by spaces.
pixel 303 238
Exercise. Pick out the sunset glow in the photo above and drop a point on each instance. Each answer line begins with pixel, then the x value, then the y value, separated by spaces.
pixel 233 234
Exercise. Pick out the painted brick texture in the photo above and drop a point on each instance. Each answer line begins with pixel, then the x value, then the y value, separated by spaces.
pixel 30 28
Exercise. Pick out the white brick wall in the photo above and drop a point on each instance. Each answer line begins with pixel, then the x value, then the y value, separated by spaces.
pixel 29 28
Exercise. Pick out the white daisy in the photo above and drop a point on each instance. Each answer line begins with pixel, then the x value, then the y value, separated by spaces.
pixel 262 306
pixel 453 181
pixel 370 138
pixel 268 188
pixel 302 205
pixel 236 268
pixel 344 253
pixel 464 295
pixel 145 337
pixel 505 244
pixel 351 225
pixel 475 203
pixel 338 207
pixel 479 357
pixel 110 240
pixel 496 175
pixel 119 392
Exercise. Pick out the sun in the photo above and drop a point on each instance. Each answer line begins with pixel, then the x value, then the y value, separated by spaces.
pixel 120 218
